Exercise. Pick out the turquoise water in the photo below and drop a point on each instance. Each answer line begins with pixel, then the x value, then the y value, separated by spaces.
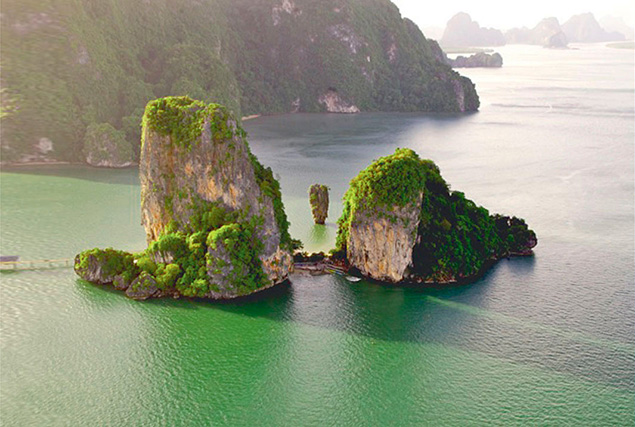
pixel 547 340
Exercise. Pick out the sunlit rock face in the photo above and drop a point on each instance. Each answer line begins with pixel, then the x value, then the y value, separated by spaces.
pixel 333 103
pixel 380 246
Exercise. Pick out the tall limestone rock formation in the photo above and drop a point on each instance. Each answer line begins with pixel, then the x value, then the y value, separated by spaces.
pixel 401 223
pixel 319 200
pixel 213 215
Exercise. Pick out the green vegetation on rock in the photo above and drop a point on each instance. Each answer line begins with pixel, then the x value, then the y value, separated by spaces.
pixel 111 262
pixel 106 146
pixel 182 118
pixel 217 242
pixel 394 180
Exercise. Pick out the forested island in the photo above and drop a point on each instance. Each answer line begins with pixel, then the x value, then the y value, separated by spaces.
pixel 216 225
pixel 76 74
pixel 401 223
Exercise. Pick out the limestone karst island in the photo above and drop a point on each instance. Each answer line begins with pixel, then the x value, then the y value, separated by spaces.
pixel 216 225
pixel 317 213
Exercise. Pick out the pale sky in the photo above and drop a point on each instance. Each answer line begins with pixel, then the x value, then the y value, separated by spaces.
pixel 505 14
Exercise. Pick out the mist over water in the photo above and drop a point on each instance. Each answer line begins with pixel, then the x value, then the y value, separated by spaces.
pixel 542 340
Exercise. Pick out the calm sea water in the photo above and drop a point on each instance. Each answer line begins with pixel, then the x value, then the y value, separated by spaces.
pixel 547 340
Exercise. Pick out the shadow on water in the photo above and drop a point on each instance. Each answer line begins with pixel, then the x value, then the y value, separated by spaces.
pixel 451 316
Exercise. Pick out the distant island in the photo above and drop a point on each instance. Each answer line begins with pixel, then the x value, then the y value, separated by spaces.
pixel 462 32
pixel 77 75
pixel 217 228
pixel 584 28
pixel 478 60
pixel 547 33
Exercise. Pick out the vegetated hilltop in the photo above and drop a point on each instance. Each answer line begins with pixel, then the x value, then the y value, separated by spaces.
pixel 70 66
pixel 213 215
pixel 401 222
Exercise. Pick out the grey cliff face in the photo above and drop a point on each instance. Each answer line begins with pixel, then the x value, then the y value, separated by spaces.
pixel 380 246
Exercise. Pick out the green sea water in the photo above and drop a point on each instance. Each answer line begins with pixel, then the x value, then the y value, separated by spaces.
pixel 547 340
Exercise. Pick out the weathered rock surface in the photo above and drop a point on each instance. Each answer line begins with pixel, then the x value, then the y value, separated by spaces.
pixel 401 223
pixel 380 246
pixel 333 103
pixel 105 146
pixel 121 283
pixel 319 200
pixel 477 60
pixel 101 267
pixel 143 287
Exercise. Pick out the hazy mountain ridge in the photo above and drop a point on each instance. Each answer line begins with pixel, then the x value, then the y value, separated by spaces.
pixel 69 64
pixel 584 28
pixel 547 32
pixel 461 31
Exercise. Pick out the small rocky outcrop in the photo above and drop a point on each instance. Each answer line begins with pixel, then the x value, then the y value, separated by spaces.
pixel 477 60
pixel 104 266
pixel 401 223
pixel 319 200
pixel 213 215
pixel 333 103
pixel 105 146
pixel 143 287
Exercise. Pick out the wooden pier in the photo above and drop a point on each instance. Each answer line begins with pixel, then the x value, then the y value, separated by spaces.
pixel 14 263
